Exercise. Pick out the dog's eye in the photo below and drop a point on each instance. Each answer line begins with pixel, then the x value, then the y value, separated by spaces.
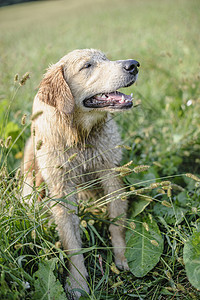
pixel 86 66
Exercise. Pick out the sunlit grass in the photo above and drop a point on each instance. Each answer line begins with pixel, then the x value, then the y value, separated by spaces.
pixel 163 133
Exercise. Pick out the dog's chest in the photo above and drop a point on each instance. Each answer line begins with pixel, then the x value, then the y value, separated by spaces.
pixel 90 158
pixel 100 152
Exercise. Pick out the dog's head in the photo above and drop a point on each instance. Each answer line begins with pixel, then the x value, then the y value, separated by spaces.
pixel 87 80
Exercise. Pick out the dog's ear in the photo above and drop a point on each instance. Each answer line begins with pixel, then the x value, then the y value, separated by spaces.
pixel 55 91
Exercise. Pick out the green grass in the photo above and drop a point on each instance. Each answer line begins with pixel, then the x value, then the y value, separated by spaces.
pixel 163 132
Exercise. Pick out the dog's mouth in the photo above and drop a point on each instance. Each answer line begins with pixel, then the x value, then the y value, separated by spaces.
pixel 114 100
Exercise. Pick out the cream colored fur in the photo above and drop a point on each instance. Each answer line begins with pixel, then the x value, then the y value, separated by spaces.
pixel 63 127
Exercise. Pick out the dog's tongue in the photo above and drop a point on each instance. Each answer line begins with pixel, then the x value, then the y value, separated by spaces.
pixel 116 96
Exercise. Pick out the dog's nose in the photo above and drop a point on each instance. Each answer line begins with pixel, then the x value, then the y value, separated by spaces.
pixel 131 66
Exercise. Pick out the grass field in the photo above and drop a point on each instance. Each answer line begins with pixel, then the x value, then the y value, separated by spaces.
pixel 163 133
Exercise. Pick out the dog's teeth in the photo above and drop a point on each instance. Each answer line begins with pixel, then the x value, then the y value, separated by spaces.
pixel 131 95
pixel 103 96
pixel 122 100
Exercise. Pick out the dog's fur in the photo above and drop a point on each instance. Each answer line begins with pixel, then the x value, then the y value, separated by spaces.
pixel 62 127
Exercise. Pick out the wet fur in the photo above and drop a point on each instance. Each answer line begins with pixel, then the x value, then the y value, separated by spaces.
pixel 63 127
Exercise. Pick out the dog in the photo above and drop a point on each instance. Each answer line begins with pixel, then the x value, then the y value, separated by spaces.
pixel 74 140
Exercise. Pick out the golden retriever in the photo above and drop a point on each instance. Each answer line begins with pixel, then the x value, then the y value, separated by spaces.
pixel 71 119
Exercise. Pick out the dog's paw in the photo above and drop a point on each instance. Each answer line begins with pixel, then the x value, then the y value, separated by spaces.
pixel 121 262
pixel 72 285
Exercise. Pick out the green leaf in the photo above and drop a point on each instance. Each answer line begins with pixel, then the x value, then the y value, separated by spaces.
pixel 172 215
pixel 47 287
pixel 143 178
pixel 144 246
pixel 191 257
pixel 139 205
pixel 11 129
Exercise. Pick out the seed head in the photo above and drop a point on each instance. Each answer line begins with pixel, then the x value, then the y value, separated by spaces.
pixel 197 184
pixel 141 168
pixel 168 274
pixel 123 171
pixel 91 222
pixel 36 115
pixel 18 174
pixel 16 78
pixel 33 173
pixel 140 191
pixel 166 203
pixel 10 213
pixel 72 157
pixel 58 244
pixel 165 183
pixel 33 234
pixel 39 145
pixel 132 225
pixel 150 217
pixel 146 226
pixel 154 185
pixel 128 164
pixel 23 120
pixel 24 78
pixel 161 191
pixel 155 243
pixel 114 269
pixel 192 176
pixel 123 147
pixel 1 143
pixel 18 246
pixel 124 198
pixel 8 141
pixel 84 223
pixel 169 191
pixel 132 188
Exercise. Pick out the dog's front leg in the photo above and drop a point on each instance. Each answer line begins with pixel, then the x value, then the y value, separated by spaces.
pixel 63 205
pixel 69 232
pixel 117 209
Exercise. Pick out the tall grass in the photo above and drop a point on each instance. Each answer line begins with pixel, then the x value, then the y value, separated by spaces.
pixel 163 133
